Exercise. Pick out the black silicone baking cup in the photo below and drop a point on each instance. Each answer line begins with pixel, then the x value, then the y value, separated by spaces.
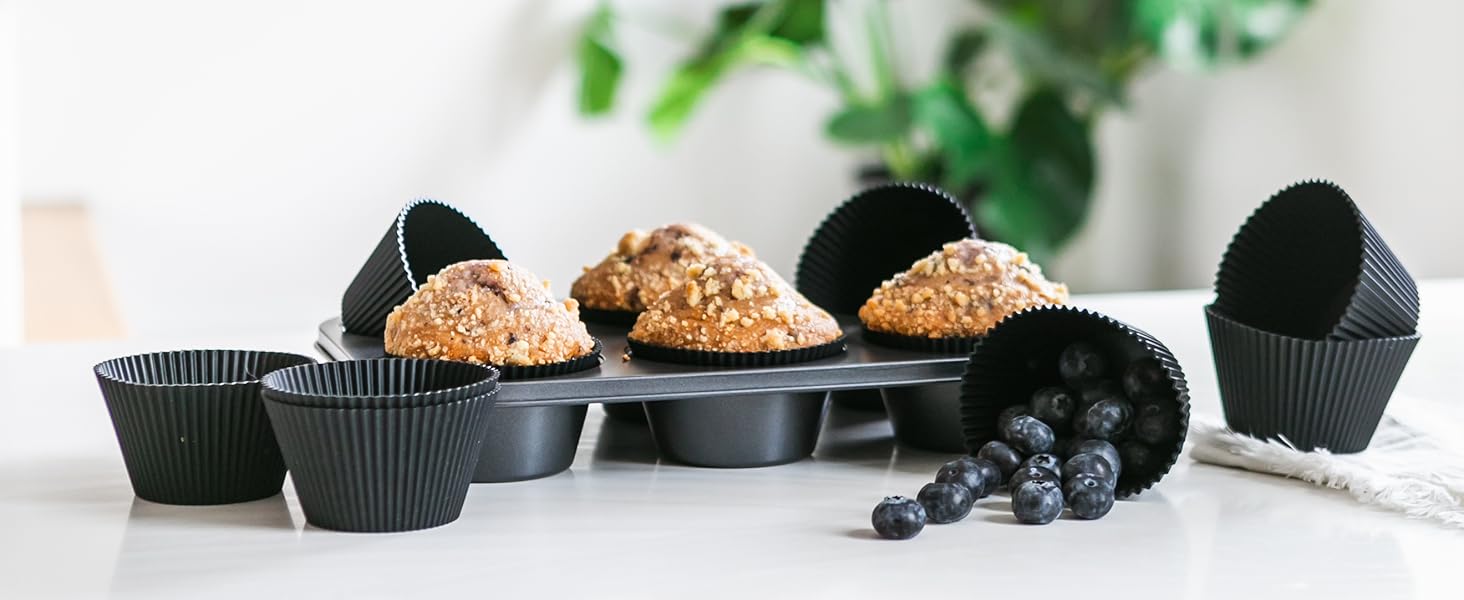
pixel 427 236
pixel 1019 356
pixel 380 383
pixel 708 358
pixel 872 236
pixel 191 426
pixel 530 442
pixel 1313 393
pixel 382 469
pixel 917 343
pixel 620 318
pixel 1308 264
pixel 573 365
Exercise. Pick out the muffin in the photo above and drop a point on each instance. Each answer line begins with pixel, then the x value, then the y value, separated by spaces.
pixel 487 311
pixel 734 303
pixel 646 265
pixel 960 291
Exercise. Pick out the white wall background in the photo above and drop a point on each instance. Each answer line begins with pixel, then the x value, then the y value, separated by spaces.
pixel 10 293
pixel 241 160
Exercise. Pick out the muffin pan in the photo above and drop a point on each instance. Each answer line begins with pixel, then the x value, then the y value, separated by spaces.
pixel 616 380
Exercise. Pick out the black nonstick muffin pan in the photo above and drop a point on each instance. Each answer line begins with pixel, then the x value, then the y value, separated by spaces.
pixel 745 393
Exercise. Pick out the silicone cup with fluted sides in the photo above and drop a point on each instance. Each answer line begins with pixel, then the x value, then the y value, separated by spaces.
pixel 1311 393
pixel 869 238
pixel 1308 264
pixel 426 236
pixel 1019 356
pixel 381 383
pixel 191 425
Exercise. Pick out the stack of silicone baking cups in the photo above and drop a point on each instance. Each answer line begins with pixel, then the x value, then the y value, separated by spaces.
pixel 1313 322
pixel 869 238
pixel 381 445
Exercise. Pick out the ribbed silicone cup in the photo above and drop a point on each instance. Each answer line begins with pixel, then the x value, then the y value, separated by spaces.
pixel 191 425
pixel 380 383
pixel 529 442
pixel 1019 356
pixel 1308 264
pixel 382 469
pixel 426 237
pixel 872 236
pixel 756 430
pixel 1313 393
pixel 707 358
pixel 945 345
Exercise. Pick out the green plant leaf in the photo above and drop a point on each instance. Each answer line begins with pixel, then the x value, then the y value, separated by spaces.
pixel 763 33
pixel 963 50
pixel 961 135
pixel 1198 34
pixel 871 123
pixel 1043 180
pixel 1048 65
pixel 600 65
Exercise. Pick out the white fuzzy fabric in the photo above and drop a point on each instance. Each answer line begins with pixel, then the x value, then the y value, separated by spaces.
pixel 1414 465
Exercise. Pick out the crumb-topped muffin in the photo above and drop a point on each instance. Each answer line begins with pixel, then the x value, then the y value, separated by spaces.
pixel 962 290
pixel 487 311
pixel 646 265
pixel 734 304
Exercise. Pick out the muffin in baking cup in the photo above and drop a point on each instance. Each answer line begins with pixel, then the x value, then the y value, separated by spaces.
pixel 875 233
pixel 381 383
pixel 754 430
pixel 1020 355
pixel 191 426
pixel 1311 393
pixel 426 236
pixel 1308 264
pixel 529 442
pixel 382 469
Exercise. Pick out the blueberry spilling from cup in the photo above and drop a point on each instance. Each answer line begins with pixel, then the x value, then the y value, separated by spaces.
pixel 1067 447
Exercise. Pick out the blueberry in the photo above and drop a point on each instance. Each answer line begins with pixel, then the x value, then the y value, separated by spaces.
pixel 1101 448
pixel 1037 502
pixel 1054 406
pixel 1144 378
pixel 1137 457
pixel 946 502
pixel 1011 412
pixel 1031 474
pixel 1104 420
pixel 1081 361
pixel 1089 464
pixel 1156 423
pixel 1005 458
pixel 898 518
pixel 990 474
pixel 1088 496
pixel 1028 435
pixel 964 471
pixel 1094 392
pixel 1046 461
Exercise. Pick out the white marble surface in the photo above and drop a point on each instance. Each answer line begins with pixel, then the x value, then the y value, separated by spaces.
pixel 619 524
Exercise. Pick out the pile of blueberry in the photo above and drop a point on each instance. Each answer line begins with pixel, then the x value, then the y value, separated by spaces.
pixel 1065 448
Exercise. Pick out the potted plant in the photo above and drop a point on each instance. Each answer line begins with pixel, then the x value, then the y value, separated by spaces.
pixel 1053 66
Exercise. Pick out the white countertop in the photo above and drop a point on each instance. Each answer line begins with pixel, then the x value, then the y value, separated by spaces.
pixel 620 524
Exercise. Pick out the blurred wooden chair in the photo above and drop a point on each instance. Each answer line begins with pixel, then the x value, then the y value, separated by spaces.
pixel 68 296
